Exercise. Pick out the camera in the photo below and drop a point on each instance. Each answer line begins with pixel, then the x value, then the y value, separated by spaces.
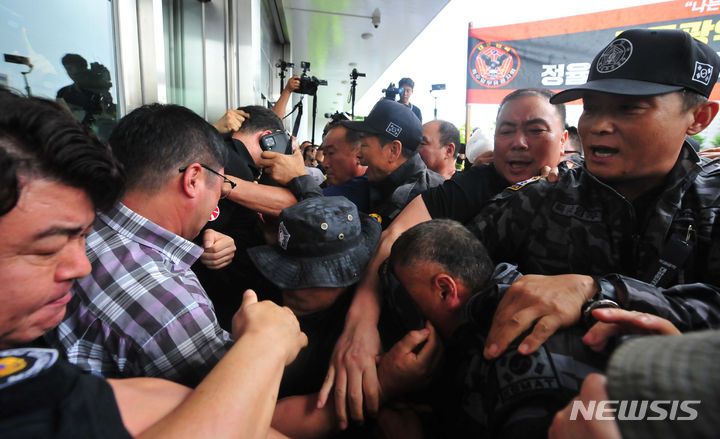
pixel 279 141
pixel 391 91
pixel 308 84
pixel 337 116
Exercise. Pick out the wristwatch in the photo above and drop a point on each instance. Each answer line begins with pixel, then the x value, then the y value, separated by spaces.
pixel 605 297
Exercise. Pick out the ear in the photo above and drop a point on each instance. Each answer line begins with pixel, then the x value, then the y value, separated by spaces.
pixel 394 150
pixel 563 141
pixel 259 134
pixel 703 114
pixel 448 289
pixel 450 150
pixel 190 180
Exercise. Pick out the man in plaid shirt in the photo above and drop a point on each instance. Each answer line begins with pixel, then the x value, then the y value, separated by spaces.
pixel 142 311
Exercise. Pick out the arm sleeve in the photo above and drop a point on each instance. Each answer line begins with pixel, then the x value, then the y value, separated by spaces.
pixel 304 186
pixel 461 197
pixel 190 344
pixel 688 306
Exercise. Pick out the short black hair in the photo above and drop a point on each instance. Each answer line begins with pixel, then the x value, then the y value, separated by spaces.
pixel 449 244
pixel 406 81
pixel 574 139
pixel 39 139
pixel 691 99
pixel 542 92
pixel 73 59
pixel 260 119
pixel 449 134
pixel 156 140
pixel 352 137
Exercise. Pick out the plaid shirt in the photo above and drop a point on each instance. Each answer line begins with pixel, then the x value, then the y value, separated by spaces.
pixel 141 311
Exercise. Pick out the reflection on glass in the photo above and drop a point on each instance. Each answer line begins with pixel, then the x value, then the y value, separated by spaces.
pixel 55 39
pixel 88 97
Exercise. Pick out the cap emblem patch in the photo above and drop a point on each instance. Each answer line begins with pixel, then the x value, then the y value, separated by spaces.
pixel 283 236
pixel 393 130
pixel 614 56
pixel 703 73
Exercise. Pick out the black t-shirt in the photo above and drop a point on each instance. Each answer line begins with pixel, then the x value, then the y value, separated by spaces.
pixel 462 197
pixel 43 396
pixel 416 111
pixel 225 286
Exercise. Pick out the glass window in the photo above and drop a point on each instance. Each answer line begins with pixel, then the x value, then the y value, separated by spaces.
pixel 182 28
pixel 62 49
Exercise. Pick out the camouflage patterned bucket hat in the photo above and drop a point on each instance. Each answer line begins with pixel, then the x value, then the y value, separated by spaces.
pixel 322 242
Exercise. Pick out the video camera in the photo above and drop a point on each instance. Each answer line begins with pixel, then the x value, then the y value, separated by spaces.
pixel 391 91
pixel 308 84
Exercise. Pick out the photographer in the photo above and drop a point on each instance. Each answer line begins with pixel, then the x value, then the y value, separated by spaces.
pixel 406 86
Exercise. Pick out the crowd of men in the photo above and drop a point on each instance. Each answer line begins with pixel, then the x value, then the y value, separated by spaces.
pixel 183 281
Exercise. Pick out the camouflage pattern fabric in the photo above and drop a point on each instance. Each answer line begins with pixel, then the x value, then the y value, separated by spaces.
pixel 581 225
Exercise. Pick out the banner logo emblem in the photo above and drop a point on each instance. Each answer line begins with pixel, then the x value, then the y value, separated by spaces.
pixel 493 65
pixel 614 56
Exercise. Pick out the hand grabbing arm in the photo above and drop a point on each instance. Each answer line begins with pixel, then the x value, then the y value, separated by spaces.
pixel 613 322
pixel 544 303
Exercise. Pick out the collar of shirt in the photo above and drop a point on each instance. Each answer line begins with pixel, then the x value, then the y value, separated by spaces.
pixel 136 227
pixel 243 152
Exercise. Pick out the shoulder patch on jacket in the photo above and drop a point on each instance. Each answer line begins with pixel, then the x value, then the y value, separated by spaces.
pixel 21 364
pixel 519 185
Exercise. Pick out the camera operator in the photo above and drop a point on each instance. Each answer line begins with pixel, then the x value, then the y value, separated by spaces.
pixel 406 86
pixel 280 106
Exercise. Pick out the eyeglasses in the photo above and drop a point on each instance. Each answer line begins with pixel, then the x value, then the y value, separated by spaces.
pixel 227 185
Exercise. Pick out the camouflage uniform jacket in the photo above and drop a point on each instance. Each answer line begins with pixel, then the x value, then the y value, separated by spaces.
pixel 581 225
pixel 390 196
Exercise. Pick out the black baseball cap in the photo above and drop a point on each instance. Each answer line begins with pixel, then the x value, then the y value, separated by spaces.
pixel 392 120
pixel 644 62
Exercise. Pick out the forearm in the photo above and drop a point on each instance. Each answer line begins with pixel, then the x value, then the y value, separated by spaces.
pixel 268 200
pixel 241 391
pixel 281 105
pixel 144 401
pixel 368 295
pixel 299 417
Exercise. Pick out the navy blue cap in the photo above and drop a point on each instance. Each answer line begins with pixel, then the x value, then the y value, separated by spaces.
pixel 644 62
pixel 392 120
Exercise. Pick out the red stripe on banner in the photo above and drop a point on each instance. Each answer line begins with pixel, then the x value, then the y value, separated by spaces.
pixel 490 96
pixel 653 13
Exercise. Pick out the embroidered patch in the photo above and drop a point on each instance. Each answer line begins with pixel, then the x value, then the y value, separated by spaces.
pixel 283 236
pixel 215 214
pixel 377 217
pixel 521 184
pixel 20 364
pixel 393 130
pixel 703 73
pixel 614 56
pixel 578 211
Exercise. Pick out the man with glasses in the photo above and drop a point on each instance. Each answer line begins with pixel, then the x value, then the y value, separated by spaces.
pixel 142 311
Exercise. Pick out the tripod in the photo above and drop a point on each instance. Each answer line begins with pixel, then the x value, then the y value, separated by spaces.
pixel 353 84
pixel 282 65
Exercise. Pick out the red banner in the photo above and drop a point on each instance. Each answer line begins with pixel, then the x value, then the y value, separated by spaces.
pixel 557 53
